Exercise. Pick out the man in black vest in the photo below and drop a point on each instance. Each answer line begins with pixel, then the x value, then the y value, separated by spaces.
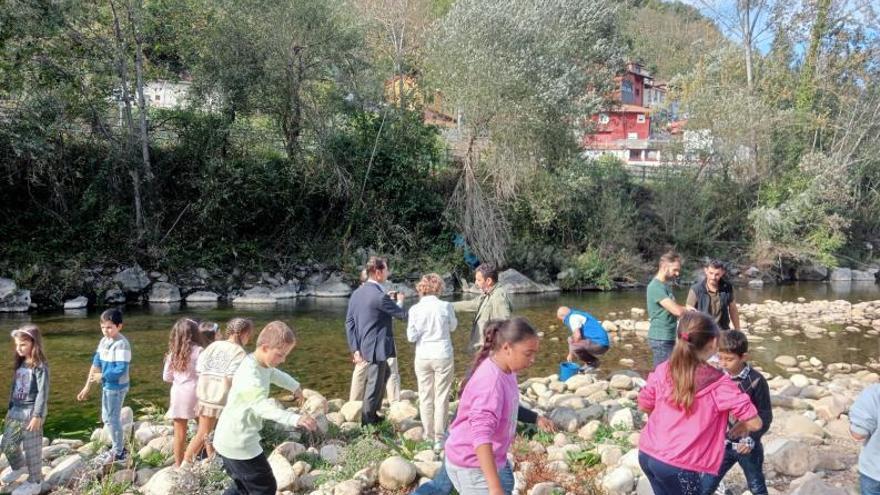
pixel 713 295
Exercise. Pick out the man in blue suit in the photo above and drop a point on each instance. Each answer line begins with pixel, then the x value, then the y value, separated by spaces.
pixel 370 338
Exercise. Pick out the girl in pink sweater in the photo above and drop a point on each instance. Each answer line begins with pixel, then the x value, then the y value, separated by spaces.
pixel 689 403
pixel 485 426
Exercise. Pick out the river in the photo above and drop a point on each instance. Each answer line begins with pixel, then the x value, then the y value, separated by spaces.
pixel 321 360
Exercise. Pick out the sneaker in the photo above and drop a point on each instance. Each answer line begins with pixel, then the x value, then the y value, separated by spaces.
pixel 28 488
pixel 12 475
pixel 587 369
pixel 438 446
pixel 110 457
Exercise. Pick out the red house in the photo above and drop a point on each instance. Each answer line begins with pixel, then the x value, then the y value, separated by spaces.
pixel 624 130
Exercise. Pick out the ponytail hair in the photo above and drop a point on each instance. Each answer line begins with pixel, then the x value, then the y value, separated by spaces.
pixel 496 333
pixel 695 331
pixel 239 327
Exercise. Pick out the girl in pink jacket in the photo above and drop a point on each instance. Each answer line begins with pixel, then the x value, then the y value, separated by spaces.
pixel 689 403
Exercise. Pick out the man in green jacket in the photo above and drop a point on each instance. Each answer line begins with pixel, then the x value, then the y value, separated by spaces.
pixel 493 303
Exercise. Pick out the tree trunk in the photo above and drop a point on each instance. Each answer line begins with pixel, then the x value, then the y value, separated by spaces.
pixel 292 120
pixel 134 22
pixel 128 150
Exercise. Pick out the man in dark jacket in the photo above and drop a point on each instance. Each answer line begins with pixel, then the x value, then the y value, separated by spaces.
pixel 370 338
pixel 713 295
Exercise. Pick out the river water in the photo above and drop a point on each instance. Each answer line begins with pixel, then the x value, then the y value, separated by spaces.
pixel 321 360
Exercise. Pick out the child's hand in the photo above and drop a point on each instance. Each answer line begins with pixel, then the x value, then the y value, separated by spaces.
pixel 738 430
pixel 298 395
pixel 307 422
pixel 83 394
pixel 569 358
pixel 95 377
pixel 743 449
pixel 35 424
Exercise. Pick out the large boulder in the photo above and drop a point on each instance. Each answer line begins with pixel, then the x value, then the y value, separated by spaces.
pixel 812 484
pixel 162 482
pixel 402 411
pixel 132 280
pixel 619 482
pixel 13 299
pixel 351 411
pixel 813 272
pixel 164 292
pixel 287 291
pixel 788 457
pixel 256 295
pixel 282 470
pixel 864 276
pixel 840 275
pixel 396 473
pixel 65 470
pixel 333 287
pixel 79 302
pixel 202 296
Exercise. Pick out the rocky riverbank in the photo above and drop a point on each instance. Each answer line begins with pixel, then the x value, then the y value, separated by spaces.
pixel 133 285
pixel 76 287
pixel 808 449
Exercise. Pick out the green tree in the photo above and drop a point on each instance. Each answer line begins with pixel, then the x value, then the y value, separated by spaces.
pixel 523 74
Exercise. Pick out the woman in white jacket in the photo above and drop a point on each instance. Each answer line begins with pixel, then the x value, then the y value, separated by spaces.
pixel 430 322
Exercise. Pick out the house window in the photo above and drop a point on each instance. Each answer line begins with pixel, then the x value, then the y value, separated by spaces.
pixel 158 97
pixel 603 118
pixel 632 135
pixel 635 155
pixel 640 118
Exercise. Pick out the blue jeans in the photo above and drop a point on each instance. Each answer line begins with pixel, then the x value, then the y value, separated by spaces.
pixel 111 415
pixel 669 480
pixel 661 350
pixel 442 485
pixel 752 465
pixel 869 485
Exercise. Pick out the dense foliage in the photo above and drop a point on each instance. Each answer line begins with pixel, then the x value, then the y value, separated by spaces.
pixel 287 149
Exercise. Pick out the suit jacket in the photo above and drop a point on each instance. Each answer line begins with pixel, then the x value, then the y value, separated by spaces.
pixel 368 322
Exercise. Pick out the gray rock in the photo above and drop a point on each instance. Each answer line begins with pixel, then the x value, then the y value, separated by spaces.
pixel 164 292
pixel 840 275
pixel 287 291
pixel 282 470
pixel 619 482
pixel 333 288
pixel 352 410
pixel 812 484
pixel 132 280
pixel 622 418
pixel 76 303
pixel 114 296
pixel 332 453
pixel 788 457
pixel 161 483
pixel 202 296
pixel 402 411
pixel 515 282
pixel 756 283
pixel 813 272
pixel 65 470
pixel 348 487
pixel 863 276
pixel 396 472
pixel 257 295
pixel 544 488
pixel 13 299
